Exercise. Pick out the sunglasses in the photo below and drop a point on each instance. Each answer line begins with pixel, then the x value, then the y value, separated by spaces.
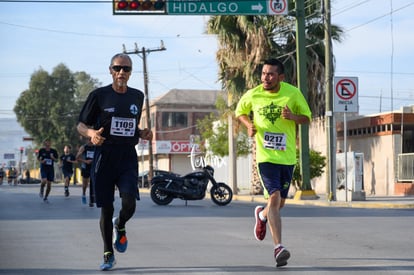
pixel 117 68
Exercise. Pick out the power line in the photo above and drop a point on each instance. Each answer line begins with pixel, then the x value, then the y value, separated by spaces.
pixel 100 35
pixel 379 17
pixel 350 7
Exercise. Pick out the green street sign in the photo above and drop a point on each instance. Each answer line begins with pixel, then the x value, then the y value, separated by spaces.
pixel 217 7
pixel 200 7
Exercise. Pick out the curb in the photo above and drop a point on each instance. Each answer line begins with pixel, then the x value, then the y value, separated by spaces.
pixel 322 203
pixel 354 204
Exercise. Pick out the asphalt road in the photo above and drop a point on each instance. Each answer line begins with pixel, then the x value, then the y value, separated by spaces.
pixel 63 237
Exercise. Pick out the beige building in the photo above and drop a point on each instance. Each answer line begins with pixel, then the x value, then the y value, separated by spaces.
pixel 387 143
pixel 174 117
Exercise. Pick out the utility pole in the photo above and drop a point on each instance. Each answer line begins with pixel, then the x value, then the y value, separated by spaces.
pixel 306 191
pixel 232 178
pixel 303 86
pixel 143 54
pixel 329 114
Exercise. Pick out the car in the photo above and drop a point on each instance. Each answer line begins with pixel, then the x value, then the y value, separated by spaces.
pixel 143 176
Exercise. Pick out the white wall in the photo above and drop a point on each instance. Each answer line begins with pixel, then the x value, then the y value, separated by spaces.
pixel 380 153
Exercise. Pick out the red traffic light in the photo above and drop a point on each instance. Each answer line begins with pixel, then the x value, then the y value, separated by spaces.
pixel 122 5
pixel 139 7
pixel 134 5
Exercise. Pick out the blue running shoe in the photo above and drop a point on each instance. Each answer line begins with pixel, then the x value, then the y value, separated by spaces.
pixel 119 237
pixel 109 261
pixel 84 199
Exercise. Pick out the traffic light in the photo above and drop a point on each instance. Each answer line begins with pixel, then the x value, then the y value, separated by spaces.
pixel 139 7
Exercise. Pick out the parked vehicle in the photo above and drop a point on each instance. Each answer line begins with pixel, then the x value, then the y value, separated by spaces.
pixel 143 177
pixel 23 180
pixel 192 186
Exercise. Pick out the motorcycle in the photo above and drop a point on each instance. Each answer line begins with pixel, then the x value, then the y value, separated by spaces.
pixel 191 186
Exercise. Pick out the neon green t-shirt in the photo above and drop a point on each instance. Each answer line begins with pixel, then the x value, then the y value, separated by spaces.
pixel 275 136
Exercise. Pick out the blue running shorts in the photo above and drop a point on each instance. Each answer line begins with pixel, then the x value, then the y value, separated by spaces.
pixel 276 177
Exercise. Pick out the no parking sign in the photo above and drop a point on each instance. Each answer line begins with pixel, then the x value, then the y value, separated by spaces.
pixel 345 94
pixel 278 7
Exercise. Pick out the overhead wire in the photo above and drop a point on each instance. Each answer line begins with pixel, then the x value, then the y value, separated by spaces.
pixel 348 7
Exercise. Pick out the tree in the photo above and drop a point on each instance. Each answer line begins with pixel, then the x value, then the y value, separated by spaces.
pixel 84 85
pixel 246 41
pixel 213 129
pixel 317 164
pixel 51 105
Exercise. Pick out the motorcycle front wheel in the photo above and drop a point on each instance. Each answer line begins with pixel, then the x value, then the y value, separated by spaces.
pixel 221 194
pixel 158 196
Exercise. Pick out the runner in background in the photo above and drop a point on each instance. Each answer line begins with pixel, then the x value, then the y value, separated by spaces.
pixel 85 158
pixel 1 175
pixel 47 157
pixel 66 163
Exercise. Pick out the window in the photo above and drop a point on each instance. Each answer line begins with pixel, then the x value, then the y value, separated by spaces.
pixel 177 119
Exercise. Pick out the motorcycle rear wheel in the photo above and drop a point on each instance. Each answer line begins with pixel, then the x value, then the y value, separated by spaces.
pixel 160 197
pixel 221 194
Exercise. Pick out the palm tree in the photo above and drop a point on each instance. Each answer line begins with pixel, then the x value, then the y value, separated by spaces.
pixel 243 46
pixel 246 41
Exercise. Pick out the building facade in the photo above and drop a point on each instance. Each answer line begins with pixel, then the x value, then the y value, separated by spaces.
pixel 386 142
pixel 174 117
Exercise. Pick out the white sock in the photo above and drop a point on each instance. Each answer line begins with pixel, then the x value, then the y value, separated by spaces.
pixel 261 217
pixel 277 246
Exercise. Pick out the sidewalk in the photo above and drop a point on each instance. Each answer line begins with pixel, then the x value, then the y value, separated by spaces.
pixel 386 202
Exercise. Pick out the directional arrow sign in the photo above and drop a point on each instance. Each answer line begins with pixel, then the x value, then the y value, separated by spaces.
pixel 215 7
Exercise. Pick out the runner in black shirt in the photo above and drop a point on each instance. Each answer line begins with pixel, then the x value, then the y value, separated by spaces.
pixel 85 157
pixel 110 118
pixel 47 157
pixel 66 163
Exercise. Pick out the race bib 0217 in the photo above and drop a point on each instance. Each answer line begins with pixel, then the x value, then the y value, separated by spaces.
pixel 274 141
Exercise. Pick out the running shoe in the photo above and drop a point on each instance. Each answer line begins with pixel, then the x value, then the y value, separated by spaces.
pixel 84 199
pixel 119 237
pixel 281 256
pixel 259 226
pixel 109 261
pixel 66 193
pixel 45 200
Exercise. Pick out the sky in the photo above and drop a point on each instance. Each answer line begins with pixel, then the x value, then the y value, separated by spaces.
pixel 377 48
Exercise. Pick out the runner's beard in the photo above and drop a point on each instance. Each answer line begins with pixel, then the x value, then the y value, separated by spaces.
pixel 268 87
pixel 121 83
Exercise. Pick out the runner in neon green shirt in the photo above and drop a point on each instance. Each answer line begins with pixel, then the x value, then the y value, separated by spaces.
pixel 276 136
pixel 277 108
